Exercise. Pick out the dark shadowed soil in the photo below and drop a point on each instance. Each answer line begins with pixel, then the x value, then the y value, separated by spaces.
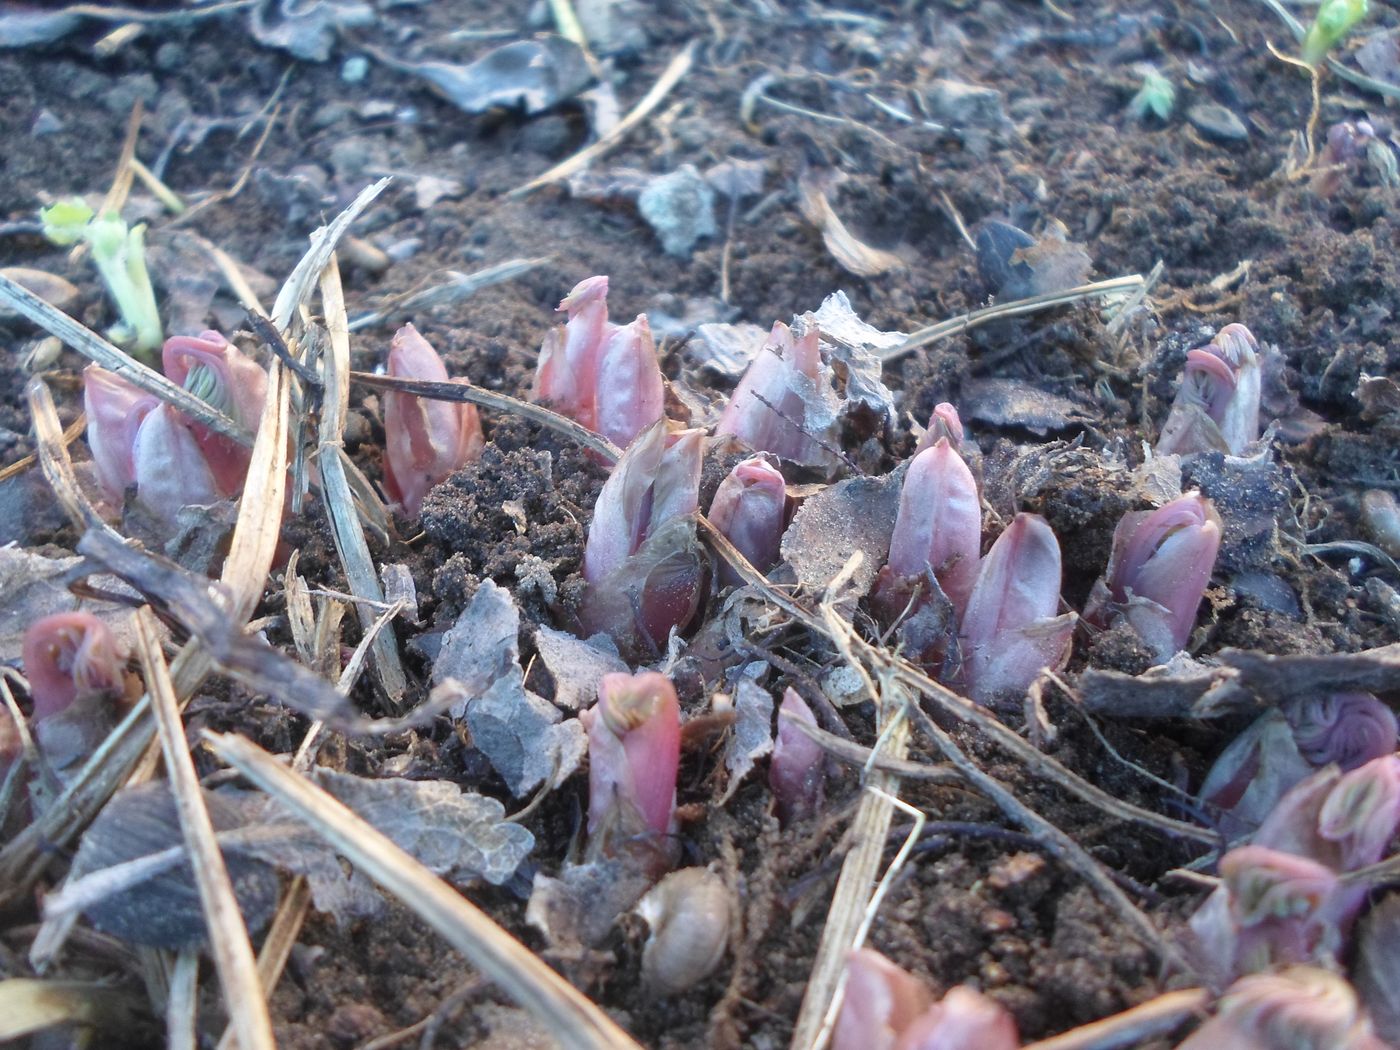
pixel 1316 278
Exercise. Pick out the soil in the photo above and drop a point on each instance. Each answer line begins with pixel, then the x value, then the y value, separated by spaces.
pixel 1316 278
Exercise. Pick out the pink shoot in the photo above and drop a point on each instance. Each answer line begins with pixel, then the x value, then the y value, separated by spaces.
pixel 944 423
pixel 68 656
pixel 218 373
pixel 114 410
pixel 1217 406
pixel 937 532
pixel 634 753
pixel 424 440
pixel 784 403
pixel 567 376
pixel 630 395
pixel 798 767
pixel 1012 629
pixel 1158 570
pixel 750 508
pixel 171 469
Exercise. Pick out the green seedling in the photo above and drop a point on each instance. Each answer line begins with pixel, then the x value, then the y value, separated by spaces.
pixel 1156 96
pixel 120 255
pixel 1335 19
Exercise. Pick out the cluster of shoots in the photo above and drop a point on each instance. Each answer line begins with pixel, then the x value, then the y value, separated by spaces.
pixel 120 255
pixel 424 440
pixel 138 441
pixel 1285 898
pixel 1288 744
pixel 887 1007
pixel 1302 1007
pixel 602 375
pixel 1217 405
pixel 1156 96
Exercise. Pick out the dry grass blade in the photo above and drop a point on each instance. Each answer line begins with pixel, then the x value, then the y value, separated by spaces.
pixel 182 1005
pixel 28 1006
pixel 1154 1019
pixel 228 934
pixel 458 286
pixel 92 346
pixel 572 1018
pixel 1017 308
pixel 277 945
pixel 463 391
pixel 298 286
pixel 259 524
pixel 335 488
pixel 670 77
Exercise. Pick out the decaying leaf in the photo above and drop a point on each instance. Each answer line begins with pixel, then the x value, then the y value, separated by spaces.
pixel 853 515
pixel 535 74
pixel 727 348
pixel 307 30
pixel 1015 403
pixel 576 665
pixel 845 247
pixel 752 735
pixel 853 347
pixel 521 734
pixel 577 910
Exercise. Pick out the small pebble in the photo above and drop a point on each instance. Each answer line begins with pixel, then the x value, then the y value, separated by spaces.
pixel 1216 122
pixel 355 69
pixel 46 123
pixel 1381 514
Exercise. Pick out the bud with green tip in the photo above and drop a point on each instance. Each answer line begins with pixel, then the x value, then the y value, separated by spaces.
pixel 1335 19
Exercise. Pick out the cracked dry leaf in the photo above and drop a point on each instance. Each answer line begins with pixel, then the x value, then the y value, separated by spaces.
pixel 752 735
pixel 577 666
pixel 482 645
pixel 845 247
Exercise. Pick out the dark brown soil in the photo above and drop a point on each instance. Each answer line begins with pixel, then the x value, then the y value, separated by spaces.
pixel 979 901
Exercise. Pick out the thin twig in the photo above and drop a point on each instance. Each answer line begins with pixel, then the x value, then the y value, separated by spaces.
pixel 228 934
pixel 1153 1019
pixel 572 1018
pixel 277 945
pixel 853 754
pixel 1017 308
pixel 675 70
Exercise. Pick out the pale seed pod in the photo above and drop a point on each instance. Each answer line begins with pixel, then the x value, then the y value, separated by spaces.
pixel 688 913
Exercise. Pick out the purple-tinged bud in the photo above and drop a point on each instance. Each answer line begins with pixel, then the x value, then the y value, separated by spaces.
pixel 567 376
pixel 944 423
pixel 630 395
pixel 784 404
pixel 1011 631
pixel 1302 1008
pixel 1271 908
pixel 881 1001
pixel 1158 571
pixel 68 656
pixel 1349 729
pixel 171 471
pixel 222 376
pixel 964 1019
pixel 641 563
pixel 750 509
pixel 633 754
pixel 1253 773
pixel 424 440
pixel 115 409
pixel 1362 812
pixel 1347 143
pixel 1217 405
pixel 938 530
pixel 798 768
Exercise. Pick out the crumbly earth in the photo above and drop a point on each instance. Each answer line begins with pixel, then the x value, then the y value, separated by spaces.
pixel 1316 277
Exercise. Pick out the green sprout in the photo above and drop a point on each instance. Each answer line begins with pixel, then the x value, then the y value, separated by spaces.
pixel 1156 96
pixel 1335 19
pixel 120 255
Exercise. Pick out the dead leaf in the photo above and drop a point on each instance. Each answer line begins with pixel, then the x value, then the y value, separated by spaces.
pixel 577 666
pixel 752 735
pixel 845 247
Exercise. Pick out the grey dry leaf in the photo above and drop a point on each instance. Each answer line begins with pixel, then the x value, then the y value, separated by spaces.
pixel 577 666
pixel 752 735
pixel 855 347
pixel 520 733
pixel 855 514
pixel 306 30
pixel 680 207
pixel 536 74
pixel 727 348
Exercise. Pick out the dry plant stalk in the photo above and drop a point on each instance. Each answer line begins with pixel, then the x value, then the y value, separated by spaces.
pixel 1154 1019
pixel 573 1019
pixel 847 918
pixel 228 934
pixel 350 542
pixel 675 70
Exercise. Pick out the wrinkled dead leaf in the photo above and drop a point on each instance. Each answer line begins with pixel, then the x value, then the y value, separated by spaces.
pixel 853 346
pixel 307 28
pixel 752 735
pixel 853 515
pixel 1014 403
pixel 536 74
pixel 576 665
pixel 727 348
pixel 482 645
pixel 578 909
